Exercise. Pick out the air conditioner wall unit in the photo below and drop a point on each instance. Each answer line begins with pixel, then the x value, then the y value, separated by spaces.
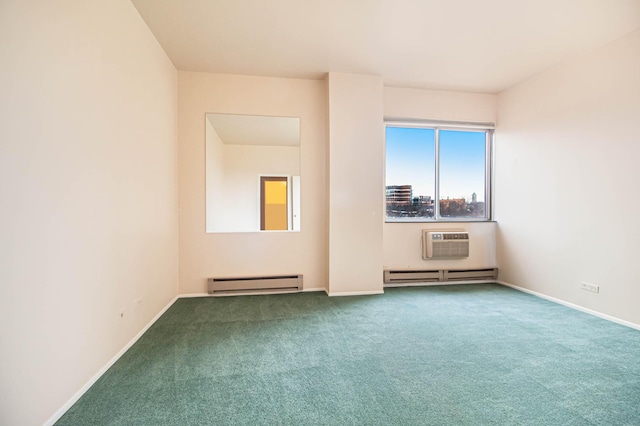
pixel 445 244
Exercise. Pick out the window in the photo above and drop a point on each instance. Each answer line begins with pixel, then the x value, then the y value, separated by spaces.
pixel 450 164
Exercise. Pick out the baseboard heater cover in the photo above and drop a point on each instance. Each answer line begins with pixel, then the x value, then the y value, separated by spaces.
pixel 275 283
pixel 410 276
pixel 470 274
pixel 392 276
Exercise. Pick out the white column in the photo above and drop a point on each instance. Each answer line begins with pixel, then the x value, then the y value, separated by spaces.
pixel 356 184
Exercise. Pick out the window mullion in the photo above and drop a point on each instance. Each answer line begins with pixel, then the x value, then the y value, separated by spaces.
pixel 488 201
pixel 436 201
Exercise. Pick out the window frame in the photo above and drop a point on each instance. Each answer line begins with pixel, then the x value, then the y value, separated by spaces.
pixel 437 126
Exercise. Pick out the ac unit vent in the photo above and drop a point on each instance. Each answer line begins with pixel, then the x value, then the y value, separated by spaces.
pixel 444 245
pixel 270 284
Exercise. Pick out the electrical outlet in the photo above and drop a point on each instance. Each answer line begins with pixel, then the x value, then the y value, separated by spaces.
pixel 590 287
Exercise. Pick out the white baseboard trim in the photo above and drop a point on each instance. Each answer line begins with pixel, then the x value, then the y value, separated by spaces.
pixel 573 306
pixel 355 293
pixel 437 283
pixel 58 414
pixel 191 295
pixel 304 290
pixel 248 293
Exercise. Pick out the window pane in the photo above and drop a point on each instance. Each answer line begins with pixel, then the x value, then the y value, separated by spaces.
pixel 462 173
pixel 410 173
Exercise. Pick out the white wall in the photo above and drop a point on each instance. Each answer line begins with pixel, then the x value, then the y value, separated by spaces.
pixel 205 255
pixel 439 105
pixel 356 186
pixel 215 179
pixel 88 184
pixel 568 143
pixel 243 165
pixel 403 246
pixel 354 250
pixel 401 241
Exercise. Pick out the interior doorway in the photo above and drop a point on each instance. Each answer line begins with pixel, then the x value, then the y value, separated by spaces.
pixel 274 203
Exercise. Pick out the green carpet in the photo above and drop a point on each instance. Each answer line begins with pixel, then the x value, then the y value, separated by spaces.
pixel 448 355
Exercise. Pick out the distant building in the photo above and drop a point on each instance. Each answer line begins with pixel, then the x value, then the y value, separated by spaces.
pixel 453 207
pixel 399 195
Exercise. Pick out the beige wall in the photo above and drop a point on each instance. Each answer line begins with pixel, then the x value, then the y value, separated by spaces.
pixel 439 105
pixel 342 181
pixel 568 143
pixel 214 152
pixel 403 246
pixel 402 241
pixel 205 255
pixel 88 183
pixel 356 187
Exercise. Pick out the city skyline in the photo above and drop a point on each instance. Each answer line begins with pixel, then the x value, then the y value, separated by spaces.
pixel 400 203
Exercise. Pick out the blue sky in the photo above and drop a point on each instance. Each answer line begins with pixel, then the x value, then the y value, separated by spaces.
pixel 410 161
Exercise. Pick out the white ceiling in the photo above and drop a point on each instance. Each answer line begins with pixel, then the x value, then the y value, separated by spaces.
pixel 467 45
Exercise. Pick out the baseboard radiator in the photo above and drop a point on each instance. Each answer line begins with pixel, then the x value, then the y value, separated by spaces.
pixel 264 284
pixel 399 276
pixel 409 276
pixel 470 274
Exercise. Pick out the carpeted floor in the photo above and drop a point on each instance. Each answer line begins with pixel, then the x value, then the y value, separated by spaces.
pixel 449 355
